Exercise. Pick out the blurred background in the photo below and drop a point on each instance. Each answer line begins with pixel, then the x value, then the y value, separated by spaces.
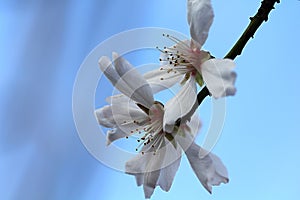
pixel 43 44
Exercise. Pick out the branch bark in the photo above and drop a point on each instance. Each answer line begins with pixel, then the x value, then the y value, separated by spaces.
pixel 255 22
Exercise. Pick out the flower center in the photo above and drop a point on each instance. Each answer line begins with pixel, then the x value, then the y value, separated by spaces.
pixel 182 58
pixel 153 131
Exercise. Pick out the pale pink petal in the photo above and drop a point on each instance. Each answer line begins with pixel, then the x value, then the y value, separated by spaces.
pixel 150 181
pixel 109 71
pixel 107 68
pixel 105 117
pixel 118 98
pixel 155 170
pixel 191 127
pixel 119 114
pixel 167 173
pixel 200 17
pixel 219 77
pixel 208 167
pixel 161 79
pixel 180 105
pixel 125 118
pixel 141 90
pixel 147 165
pixel 115 134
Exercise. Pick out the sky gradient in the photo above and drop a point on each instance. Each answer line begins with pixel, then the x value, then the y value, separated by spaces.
pixel 43 44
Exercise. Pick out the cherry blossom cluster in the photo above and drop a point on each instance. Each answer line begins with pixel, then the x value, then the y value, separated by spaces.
pixel 165 131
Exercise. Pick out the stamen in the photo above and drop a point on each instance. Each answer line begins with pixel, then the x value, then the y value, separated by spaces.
pixel 160 50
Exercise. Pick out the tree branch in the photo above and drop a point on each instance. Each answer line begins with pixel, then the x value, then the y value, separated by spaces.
pixel 261 16
pixel 255 22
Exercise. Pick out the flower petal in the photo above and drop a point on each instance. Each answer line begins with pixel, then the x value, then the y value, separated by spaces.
pixel 113 135
pixel 108 69
pixel 150 181
pixel 167 174
pixel 139 179
pixel 180 105
pixel 208 167
pixel 219 77
pixel 191 127
pixel 151 170
pixel 118 98
pixel 149 165
pixel 141 90
pixel 200 17
pixel 161 79
pixel 124 117
pixel 124 129
pixel 105 117
pixel 119 114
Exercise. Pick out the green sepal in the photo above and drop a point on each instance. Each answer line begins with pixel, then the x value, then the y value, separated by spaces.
pixel 199 79
pixel 171 139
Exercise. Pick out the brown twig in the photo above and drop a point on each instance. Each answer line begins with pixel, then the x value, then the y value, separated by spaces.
pixel 255 22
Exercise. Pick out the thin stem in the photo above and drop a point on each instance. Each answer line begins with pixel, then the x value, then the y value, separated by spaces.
pixel 255 22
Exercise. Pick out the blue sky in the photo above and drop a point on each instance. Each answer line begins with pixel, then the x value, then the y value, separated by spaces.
pixel 43 45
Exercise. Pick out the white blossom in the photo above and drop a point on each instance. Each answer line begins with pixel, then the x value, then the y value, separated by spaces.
pixel 185 62
pixel 159 157
pixel 160 151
